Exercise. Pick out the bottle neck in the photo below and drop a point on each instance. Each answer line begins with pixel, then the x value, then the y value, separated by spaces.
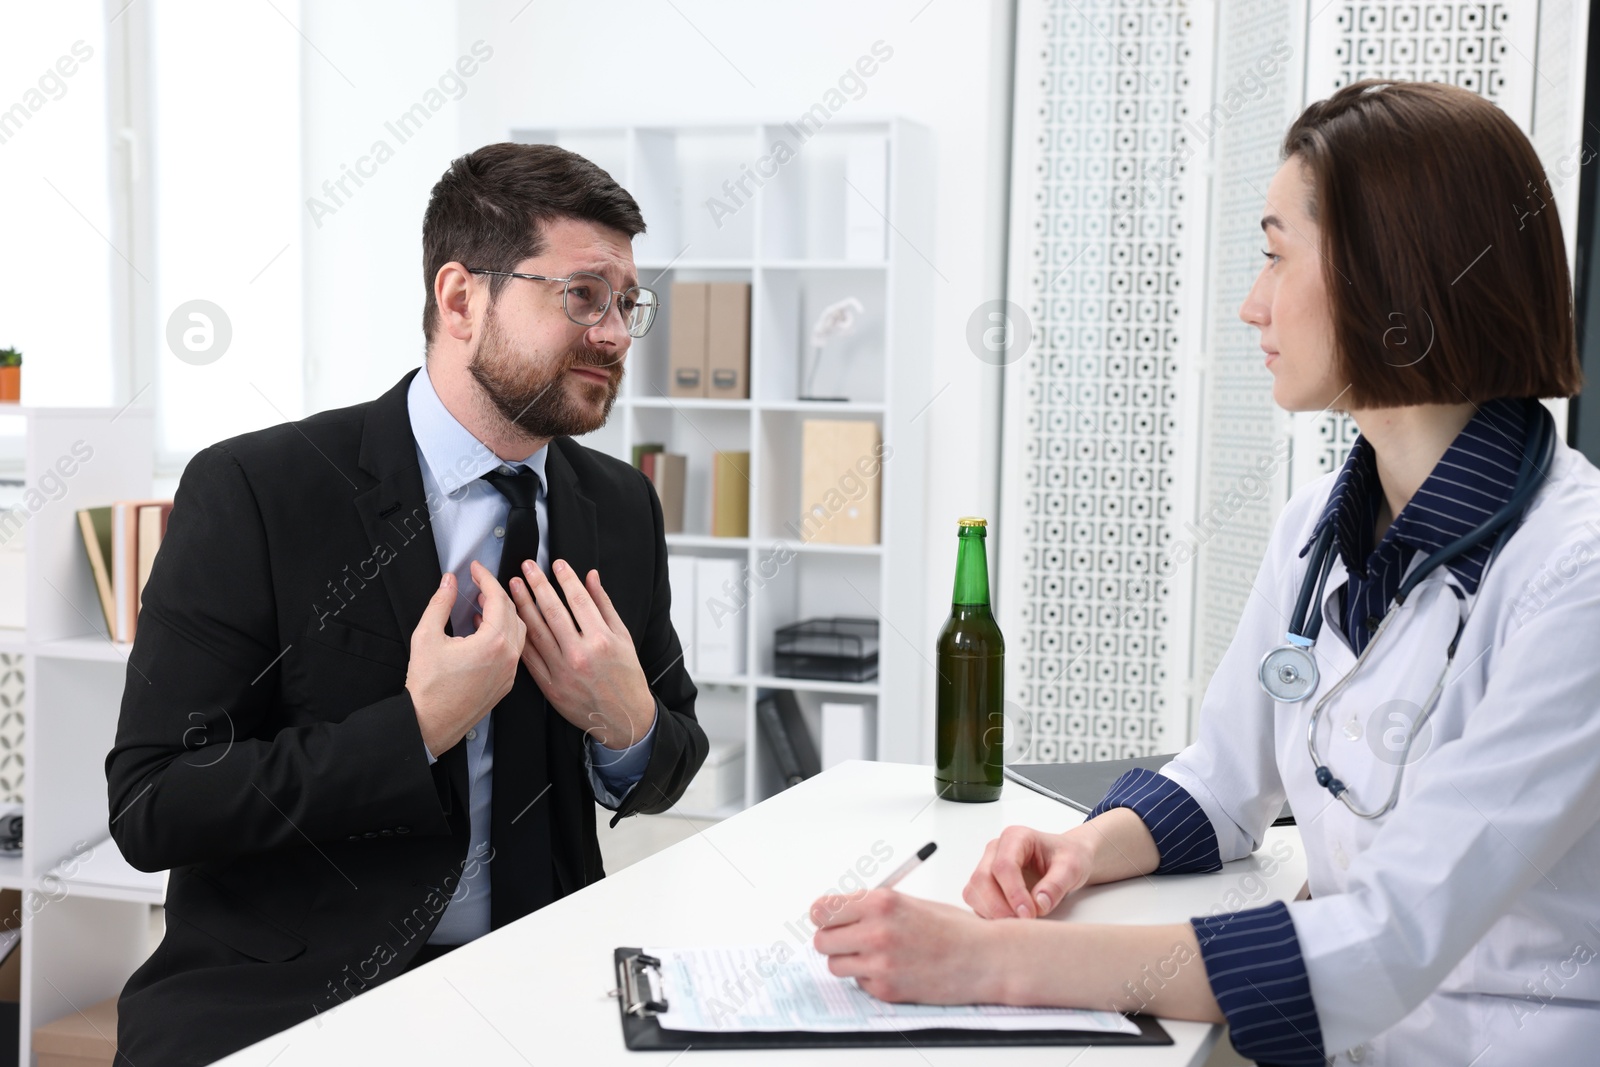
pixel 972 572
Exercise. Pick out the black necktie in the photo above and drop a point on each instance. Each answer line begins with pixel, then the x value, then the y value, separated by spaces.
pixel 522 523
pixel 521 874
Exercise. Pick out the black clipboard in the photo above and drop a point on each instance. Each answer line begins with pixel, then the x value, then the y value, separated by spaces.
pixel 642 1033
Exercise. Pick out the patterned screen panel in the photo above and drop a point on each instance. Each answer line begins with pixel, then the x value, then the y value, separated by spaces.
pixel 1095 394
pixel 11 716
pixel 1244 445
pixel 1144 460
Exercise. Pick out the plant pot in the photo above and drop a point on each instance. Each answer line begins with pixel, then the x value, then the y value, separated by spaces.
pixel 10 383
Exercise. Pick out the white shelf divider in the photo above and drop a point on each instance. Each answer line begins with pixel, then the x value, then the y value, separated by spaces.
pixel 85 916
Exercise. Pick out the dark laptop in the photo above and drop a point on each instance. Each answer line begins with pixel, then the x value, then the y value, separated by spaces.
pixel 1081 785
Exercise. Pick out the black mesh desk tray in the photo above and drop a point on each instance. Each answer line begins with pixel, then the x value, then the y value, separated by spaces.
pixel 840 649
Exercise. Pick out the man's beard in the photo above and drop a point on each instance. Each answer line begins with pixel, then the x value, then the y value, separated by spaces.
pixel 535 399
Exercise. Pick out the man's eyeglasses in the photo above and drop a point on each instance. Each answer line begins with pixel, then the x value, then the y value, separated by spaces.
pixel 587 297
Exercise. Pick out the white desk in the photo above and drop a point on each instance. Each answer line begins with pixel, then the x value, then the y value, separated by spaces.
pixel 536 991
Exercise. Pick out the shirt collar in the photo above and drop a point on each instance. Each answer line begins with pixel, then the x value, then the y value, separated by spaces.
pixel 1474 478
pixel 451 453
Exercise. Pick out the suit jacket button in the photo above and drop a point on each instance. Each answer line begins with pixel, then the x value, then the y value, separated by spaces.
pixel 371 833
pixel 355 837
pixel 386 833
pixel 402 829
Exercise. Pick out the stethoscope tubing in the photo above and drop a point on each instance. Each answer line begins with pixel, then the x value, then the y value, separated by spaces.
pixel 1306 622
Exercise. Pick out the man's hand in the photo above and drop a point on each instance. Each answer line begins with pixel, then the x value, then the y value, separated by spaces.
pixel 584 660
pixel 455 681
pixel 903 949
pixel 1054 865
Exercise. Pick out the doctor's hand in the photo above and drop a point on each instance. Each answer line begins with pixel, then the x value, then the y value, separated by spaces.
pixel 583 660
pixel 455 681
pixel 904 949
pixel 1026 873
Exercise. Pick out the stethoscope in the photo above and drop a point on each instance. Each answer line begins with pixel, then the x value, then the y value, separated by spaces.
pixel 1289 672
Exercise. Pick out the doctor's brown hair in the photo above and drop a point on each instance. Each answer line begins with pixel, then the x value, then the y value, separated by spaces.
pixel 1445 267
pixel 487 211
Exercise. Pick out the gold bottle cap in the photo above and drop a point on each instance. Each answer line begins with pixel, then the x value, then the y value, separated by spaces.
pixel 971 521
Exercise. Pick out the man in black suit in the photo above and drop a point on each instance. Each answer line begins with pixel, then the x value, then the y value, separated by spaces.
pixel 378 685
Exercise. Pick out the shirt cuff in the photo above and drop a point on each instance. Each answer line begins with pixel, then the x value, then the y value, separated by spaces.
pixel 1185 839
pixel 1259 979
pixel 432 759
pixel 618 770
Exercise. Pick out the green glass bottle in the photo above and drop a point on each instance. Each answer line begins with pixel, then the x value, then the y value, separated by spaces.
pixel 970 712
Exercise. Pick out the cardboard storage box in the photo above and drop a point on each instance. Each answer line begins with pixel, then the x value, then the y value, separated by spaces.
pixel 728 340
pixel 686 358
pixel 841 463
pixel 82 1039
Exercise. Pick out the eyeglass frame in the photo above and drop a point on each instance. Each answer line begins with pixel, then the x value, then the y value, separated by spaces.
pixel 565 282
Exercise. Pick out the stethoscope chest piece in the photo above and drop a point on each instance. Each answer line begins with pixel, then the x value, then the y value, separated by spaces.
pixel 1289 673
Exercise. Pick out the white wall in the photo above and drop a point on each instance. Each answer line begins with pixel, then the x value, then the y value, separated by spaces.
pixel 365 65
pixel 556 64
pixel 56 270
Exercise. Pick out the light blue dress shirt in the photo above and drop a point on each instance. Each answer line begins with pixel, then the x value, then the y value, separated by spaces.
pixel 468 517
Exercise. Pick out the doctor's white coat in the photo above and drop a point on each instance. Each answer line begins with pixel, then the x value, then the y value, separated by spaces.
pixel 1463 927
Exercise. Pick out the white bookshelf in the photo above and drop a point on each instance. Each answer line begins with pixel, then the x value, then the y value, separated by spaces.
pixel 85 911
pixel 787 241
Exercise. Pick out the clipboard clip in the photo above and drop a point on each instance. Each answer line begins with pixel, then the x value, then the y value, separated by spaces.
pixel 638 992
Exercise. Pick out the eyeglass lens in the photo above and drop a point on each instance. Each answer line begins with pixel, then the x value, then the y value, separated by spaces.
pixel 588 298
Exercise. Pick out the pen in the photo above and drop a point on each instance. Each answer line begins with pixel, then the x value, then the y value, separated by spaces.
pixel 908 866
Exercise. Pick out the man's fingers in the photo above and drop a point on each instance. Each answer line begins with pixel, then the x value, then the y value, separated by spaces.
pixel 584 612
pixel 539 635
pixel 437 613
pixel 498 611
pixel 534 658
pixel 602 599
pixel 489 588
pixel 549 606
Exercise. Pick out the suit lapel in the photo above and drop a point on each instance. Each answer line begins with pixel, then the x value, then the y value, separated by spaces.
pixel 574 537
pixel 394 513
pixel 573 529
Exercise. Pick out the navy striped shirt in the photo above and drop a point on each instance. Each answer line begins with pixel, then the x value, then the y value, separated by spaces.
pixel 1252 957
pixel 1473 479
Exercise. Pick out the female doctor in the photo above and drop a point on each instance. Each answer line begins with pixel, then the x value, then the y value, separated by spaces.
pixel 1426 702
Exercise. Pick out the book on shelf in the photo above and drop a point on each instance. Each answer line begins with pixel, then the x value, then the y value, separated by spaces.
pixel 730 494
pixel 152 528
pixel 95 526
pixel 669 474
pixel 642 450
pixel 121 541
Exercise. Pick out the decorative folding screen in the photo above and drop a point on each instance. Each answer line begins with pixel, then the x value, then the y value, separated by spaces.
pixel 1144 461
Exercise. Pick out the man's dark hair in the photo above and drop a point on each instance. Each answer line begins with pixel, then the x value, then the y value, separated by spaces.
pixel 489 209
pixel 1439 237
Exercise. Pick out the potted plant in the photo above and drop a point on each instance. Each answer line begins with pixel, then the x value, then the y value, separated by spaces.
pixel 10 374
